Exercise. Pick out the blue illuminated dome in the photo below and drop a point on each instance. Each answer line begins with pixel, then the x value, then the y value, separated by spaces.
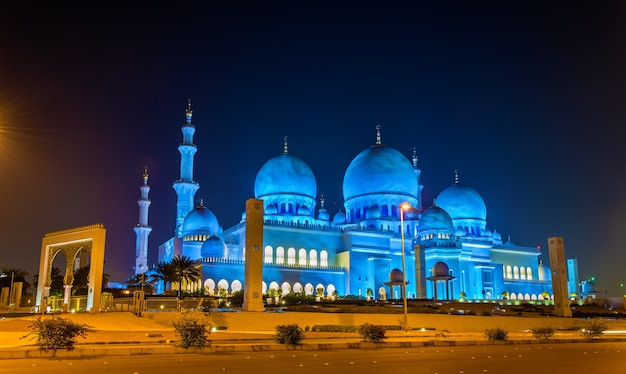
pixel 435 219
pixel 465 206
pixel 213 247
pixel 287 185
pixel 379 177
pixel 200 221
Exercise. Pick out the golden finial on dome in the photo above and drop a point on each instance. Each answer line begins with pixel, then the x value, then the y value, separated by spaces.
pixel 378 141
pixel 414 158
pixel 456 176
pixel 145 175
pixel 285 148
pixel 188 112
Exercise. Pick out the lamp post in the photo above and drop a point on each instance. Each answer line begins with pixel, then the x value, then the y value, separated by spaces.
pixel 404 305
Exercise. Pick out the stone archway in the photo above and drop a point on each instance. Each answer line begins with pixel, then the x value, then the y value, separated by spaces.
pixel 71 242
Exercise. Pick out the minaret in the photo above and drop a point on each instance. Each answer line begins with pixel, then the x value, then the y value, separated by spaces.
pixel 185 186
pixel 142 230
pixel 420 187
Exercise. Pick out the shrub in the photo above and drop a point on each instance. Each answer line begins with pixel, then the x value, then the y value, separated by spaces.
pixel 593 329
pixel 289 334
pixel 543 333
pixel 191 330
pixel 56 333
pixel 496 334
pixel 372 333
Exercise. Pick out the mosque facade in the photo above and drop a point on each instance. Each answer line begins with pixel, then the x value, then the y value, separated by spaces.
pixel 446 250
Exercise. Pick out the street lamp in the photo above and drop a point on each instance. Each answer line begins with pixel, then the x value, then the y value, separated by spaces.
pixel 404 306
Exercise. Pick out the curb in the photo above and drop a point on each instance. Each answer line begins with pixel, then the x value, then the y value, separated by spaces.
pixel 168 348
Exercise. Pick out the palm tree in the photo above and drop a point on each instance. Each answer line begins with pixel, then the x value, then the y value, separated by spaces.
pixel 8 275
pixel 81 281
pixel 185 269
pixel 163 272
pixel 56 287
pixel 139 282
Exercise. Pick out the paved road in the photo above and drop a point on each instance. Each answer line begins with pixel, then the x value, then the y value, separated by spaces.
pixel 598 357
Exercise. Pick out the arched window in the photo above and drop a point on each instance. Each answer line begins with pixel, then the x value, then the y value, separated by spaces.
pixel 509 272
pixel 297 287
pixel 330 289
pixel 274 285
pixel 520 296
pixel 308 289
pixel 280 255
pixel 533 297
pixel 302 257
pixel 522 272
pixel 529 273
pixel 236 285
pixel 286 288
pixel 209 286
pixel 324 258
pixel 269 255
pixel 527 297
pixel 515 272
pixel 313 257
pixel 319 289
pixel 222 285
pixel 291 256
pixel 264 287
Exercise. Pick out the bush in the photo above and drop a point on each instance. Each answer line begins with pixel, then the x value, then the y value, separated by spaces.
pixel 496 334
pixel 191 330
pixel 289 334
pixel 56 333
pixel 543 333
pixel 372 333
pixel 593 329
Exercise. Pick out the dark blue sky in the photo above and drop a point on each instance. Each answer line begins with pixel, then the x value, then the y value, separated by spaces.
pixel 525 99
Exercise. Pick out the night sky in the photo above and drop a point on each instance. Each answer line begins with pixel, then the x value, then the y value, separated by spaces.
pixel 526 100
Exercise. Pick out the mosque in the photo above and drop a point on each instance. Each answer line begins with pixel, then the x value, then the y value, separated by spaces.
pixel 446 249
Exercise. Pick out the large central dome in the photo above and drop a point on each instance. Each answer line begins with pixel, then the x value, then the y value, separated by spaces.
pixel 379 170
pixel 287 186
pixel 285 174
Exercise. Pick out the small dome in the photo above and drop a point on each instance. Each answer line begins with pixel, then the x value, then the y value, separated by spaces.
pixel 200 221
pixel 435 219
pixel 323 215
pixel 441 270
pixel 339 218
pixel 462 202
pixel 396 276
pixel 213 247
pixel 372 212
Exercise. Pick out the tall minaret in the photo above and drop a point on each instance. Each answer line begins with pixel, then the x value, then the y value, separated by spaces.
pixel 417 175
pixel 185 186
pixel 142 230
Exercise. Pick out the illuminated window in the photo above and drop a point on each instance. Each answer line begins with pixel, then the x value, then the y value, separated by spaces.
pixel 291 256
pixel 222 284
pixel 324 258
pixel 515 272
pixel 529 273
pixel 268 255
pixel 308 289
pixel 286 288
pixel 209 286
pixel 330 289
pixel 522 272
pixel 236 285
pixel 280 255
pixel 302 257
pixel 297 287
pixel 313 257
pixel 509 272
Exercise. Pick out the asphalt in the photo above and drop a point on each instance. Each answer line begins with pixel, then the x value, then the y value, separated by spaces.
pixel 122 334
